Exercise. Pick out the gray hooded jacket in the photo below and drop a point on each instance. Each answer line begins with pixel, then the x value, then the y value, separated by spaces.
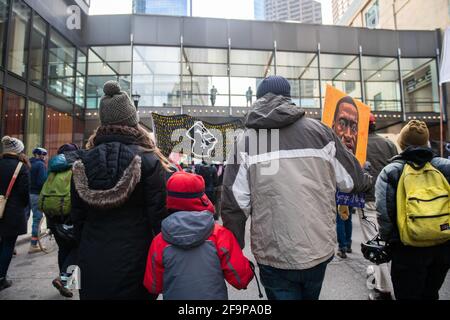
pixel 288 188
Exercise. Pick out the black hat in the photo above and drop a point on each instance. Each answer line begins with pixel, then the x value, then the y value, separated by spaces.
pixel 276 85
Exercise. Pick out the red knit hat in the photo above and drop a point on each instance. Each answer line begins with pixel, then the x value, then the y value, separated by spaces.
pixel 186 192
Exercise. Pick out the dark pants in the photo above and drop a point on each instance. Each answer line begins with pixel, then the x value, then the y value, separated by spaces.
pixel 418 273
pixel 67 253
pixel 6 252
pixel 293 284
pixel 344 232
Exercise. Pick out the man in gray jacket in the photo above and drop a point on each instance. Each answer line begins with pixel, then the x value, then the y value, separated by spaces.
pixel 289 190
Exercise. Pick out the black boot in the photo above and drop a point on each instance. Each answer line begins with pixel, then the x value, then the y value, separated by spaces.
pixel 4 284
pixel 378 295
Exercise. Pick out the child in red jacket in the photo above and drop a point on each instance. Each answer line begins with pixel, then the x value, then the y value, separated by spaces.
pixel 192 255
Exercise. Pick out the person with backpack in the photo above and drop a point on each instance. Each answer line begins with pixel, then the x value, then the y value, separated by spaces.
pixel 14 201
pixel 118 197
pixel 38 176
pixel 54 201
pixel 412 200
pixel 193 255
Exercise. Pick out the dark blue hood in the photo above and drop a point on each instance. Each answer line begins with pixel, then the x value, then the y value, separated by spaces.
pixel 187 229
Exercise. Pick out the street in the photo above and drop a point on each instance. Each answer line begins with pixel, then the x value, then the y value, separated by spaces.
pixel 345 279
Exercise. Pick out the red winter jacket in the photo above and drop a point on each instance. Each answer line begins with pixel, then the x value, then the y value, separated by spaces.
pixel 192 256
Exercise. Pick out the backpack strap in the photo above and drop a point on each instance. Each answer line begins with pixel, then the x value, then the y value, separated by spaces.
pixel 13 179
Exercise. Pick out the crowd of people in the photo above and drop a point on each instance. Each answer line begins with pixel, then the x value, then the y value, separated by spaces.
pixel 139 226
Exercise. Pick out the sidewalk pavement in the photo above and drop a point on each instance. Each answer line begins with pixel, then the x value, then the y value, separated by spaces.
pixel 344 280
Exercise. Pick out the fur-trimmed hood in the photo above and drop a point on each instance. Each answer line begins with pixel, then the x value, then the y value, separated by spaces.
pixel 106 176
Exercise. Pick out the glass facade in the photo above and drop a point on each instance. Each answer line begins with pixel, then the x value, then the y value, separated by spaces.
pixel 65 81
pixel 301 69
pixel 107 63
pixel 4 9
pixel 156 75
pixel 58 130
pixel 420 85
pixel 18 35
pixel 166 7
pixel 381 83
pixel 35 126
pixel 14 116
pixel 80 81
pixel 37 48
pixel 61 66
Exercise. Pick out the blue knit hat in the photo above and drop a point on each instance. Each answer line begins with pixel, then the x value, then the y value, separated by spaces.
pixel 276 85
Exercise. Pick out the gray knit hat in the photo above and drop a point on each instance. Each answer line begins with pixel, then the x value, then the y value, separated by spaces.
pixel 12 145
pixel 116 107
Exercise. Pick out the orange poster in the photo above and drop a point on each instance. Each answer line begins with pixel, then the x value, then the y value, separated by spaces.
pixel 349 118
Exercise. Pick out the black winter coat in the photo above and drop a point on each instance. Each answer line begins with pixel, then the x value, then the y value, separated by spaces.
pixel 14 221
pixel 118 203
pixel 379 152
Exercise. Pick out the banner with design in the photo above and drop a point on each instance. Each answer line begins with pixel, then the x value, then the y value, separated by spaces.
pixel 187 134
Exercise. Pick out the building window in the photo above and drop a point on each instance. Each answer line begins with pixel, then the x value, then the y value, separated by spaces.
pixel 78 131
pixel 14 116
pixel 381 75
pixel 18 51
pixel 37 49
pixel 204 69
pixel 421 89
pixel 80 79
pixel 61 66
pixel 156 76
pixel 58 130
pixel 35 126
pixel 3 26
pixel 373 16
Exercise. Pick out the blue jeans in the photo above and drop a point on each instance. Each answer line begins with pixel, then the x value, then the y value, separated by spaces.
pixel 6 252
pixel 37 217
pixel 282 284
pixel 344 231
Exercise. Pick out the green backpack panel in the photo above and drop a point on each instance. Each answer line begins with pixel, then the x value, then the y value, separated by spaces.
pixel 54 199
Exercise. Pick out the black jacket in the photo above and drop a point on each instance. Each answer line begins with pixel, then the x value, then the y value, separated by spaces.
pixel 14 221
pixel 379 153
pixel 118 202
pixel 387 184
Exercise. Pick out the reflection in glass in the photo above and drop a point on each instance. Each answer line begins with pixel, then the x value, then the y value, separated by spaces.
pixel 58 130
pixel 205 77
pixel 247 69
pixel 420 83
pixel 37 49
pixel 342 72
pixel 18 35
pixel 381 83
pixel 3 26
pixel 301 70
pixel 61 66
pixel 35 126
pixel 156 76
pixel 14 116
pixel 107 63
pixel 80 79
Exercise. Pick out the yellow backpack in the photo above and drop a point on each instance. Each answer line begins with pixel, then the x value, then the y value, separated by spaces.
pixel 423 207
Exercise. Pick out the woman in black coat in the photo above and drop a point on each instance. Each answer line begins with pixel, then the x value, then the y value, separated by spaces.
pixel 14 221
pixel 118 202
